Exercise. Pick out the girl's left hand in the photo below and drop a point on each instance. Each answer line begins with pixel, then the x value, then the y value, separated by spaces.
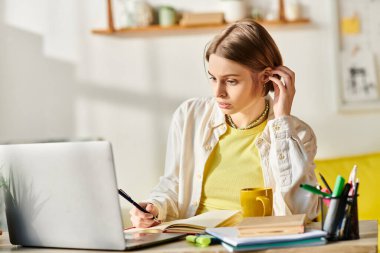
pixel 283 91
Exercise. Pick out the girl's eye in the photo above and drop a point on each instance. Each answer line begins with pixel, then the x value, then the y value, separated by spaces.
pixel 212 78
pixel 231 82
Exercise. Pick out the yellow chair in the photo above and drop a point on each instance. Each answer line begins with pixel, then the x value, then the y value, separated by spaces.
pixel 369 177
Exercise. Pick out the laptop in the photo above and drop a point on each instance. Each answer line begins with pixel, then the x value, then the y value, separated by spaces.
pixel 64 195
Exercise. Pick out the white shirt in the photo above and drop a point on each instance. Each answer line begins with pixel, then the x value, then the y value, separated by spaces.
pixel 287 148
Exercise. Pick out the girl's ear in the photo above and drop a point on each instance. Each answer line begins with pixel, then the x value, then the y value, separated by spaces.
pixel 265 74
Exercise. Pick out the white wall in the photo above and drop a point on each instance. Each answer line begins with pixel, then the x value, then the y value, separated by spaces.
pixel 57 80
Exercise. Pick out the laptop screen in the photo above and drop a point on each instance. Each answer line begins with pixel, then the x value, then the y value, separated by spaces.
pixel 62 195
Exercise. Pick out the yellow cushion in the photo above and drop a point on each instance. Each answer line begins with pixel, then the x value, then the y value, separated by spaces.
pixel 368 174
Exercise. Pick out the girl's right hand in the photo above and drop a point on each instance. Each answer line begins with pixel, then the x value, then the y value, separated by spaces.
pixel 144 220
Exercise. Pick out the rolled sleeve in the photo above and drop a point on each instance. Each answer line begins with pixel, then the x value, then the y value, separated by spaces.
pixel 281 132
pixel 292 152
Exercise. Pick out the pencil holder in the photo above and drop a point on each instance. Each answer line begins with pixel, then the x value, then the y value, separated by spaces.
pixel 339 217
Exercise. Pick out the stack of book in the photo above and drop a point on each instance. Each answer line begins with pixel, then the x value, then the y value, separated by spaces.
pixel 268 232
pixel 272 225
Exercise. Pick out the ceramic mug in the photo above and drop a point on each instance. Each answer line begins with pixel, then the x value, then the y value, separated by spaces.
pixel 256 201
pixel 166 16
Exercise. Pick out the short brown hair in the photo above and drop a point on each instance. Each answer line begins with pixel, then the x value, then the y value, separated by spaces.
pixel 248 43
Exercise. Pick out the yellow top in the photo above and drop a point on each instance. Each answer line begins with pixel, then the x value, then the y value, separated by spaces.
pixel 233 164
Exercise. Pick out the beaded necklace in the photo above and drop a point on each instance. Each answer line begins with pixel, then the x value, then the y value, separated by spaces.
pixel 254 123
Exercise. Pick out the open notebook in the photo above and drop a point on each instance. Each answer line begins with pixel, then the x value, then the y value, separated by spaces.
pixel 196 224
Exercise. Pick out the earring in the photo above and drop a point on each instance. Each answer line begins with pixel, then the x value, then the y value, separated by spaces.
pixel 266 88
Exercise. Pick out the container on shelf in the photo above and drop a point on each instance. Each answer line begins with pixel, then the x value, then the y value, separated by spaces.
pixel 138 13
pixel 167 16
pixel 233 10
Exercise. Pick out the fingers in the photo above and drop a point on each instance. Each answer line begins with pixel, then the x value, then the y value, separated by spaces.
pixel 283 91
pixel 141 219
pixel 288 76
pixel 286 70
pixel 276 89
pixel 142 223
pixel 152 209
pixel 279 85
pixel 139 213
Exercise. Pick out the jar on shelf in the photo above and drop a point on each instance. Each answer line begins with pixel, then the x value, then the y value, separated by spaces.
pixel 256 13
pixel 138 13
pixel 167 16
pixel 292 10
pixel 234 10
pixel 272 13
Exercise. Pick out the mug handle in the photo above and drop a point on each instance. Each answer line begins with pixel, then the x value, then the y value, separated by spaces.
pixel 265 202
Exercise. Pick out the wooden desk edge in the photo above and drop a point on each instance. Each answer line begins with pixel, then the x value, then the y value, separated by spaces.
pixel 367 243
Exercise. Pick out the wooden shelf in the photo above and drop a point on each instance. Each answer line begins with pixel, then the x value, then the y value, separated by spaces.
pixel 157 28
pixel 154 28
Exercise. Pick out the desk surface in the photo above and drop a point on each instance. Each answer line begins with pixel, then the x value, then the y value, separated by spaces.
pixel 366 243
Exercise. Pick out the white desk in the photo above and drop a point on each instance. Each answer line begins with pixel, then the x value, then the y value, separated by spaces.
pixel 366 243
